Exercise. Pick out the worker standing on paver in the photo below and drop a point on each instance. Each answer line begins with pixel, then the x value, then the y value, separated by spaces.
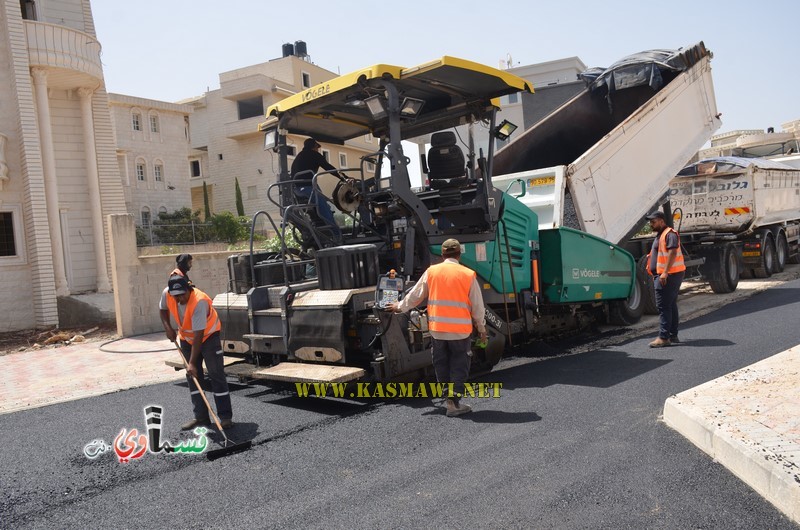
pixel 454 304
pixel 199 328
pixel 665 264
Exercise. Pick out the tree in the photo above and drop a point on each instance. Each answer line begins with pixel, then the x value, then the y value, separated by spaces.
pixel 230 228
pixel 181 226
pixel 205 202
pixel 239 203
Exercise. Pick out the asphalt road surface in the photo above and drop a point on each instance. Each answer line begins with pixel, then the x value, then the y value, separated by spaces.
pixel 574 441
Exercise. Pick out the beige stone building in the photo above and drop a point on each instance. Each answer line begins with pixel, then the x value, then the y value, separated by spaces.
pixel 226 142
pixel 153 154
pixel 59 177
pixel 782 146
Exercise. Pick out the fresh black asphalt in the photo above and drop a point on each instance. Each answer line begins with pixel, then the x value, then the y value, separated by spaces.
pixel 574 441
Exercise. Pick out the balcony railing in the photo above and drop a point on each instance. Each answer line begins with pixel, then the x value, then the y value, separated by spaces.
pixel 57 46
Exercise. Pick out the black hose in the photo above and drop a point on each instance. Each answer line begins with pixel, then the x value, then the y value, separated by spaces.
pixel 131 337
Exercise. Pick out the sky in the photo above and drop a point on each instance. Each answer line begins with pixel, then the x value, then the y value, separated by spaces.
pixel 174 50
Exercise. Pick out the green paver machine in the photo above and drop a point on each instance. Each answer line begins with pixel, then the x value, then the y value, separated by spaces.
pixel 313 313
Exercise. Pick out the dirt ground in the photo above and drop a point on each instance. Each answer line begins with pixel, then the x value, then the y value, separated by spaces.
pixel 37 339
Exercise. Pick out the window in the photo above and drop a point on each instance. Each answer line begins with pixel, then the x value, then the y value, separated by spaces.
pixel 8 246
pixel 513 98
pixel 290 150
pixel 153 124
pixel 306 80
pixel 370 167
pixel 136 121
pixel 140 173
pixel 250 107
pixel 145 217
pixel 28 9
pixel 194 166
pixel 327 155
pixel 252 193
pixel 12 248
pixel 342 160
pixel 162 210
pixel 158 173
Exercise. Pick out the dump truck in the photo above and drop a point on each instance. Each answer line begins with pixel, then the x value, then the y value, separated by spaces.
pixel 604 159
pixel 315 313
pixel 742 214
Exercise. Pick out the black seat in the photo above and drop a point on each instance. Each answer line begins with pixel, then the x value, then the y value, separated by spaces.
pixel 446 166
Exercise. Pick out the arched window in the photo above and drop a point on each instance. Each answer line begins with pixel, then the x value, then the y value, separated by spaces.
pixel 158 170
pixel 146 219
pixel 136 119
pixel 141 170
pixel 155 125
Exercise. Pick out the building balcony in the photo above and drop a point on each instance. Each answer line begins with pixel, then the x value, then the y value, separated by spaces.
pixel 71 57
pixel 242 129
pixel 248 86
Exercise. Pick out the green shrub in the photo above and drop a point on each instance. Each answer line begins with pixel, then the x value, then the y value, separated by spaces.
pixel 229 228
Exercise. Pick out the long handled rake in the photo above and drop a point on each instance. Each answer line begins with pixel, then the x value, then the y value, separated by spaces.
pixel 229 447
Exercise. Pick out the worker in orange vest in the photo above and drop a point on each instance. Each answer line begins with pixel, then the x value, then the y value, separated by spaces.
pixel 665 264
pixel 199 329
pixel 183 264
pixel 454 305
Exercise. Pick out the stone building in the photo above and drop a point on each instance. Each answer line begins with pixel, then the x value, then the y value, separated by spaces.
pixel 59 177
pixel 226 142
pixel 153 154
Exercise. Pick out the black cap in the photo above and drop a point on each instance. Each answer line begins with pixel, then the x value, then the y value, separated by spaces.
pixel 656 215
pixel 177 285
pixel 310 143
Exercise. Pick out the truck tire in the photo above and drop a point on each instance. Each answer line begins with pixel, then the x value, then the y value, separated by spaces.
pixel 728 274
pixel 629 311
pixel 781 251
pixel 767 265
pixel 648 288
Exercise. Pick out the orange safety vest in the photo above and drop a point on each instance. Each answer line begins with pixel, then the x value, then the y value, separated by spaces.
pixel 185 328
pixel 661 258
pixel 449 309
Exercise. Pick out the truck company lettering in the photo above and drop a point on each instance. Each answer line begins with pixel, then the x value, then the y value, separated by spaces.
pixel 316 92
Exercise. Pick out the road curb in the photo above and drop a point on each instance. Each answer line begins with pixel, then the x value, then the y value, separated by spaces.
pixel 744 421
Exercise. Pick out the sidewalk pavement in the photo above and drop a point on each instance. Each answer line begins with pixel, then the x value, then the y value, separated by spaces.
pixel 748 420
pixel 48 376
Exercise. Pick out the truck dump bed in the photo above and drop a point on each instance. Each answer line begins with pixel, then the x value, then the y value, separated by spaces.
pixel 602 160
pixel 733 195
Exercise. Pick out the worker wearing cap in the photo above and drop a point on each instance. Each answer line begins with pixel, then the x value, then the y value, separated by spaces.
pixel 454 305
pixel 305 166
pixel 665 264
pixel 199 328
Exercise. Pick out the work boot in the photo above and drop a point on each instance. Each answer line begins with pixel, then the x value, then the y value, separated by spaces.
pixel 197 422
pixel 454 409
pixel 660 343
pixel 226 423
